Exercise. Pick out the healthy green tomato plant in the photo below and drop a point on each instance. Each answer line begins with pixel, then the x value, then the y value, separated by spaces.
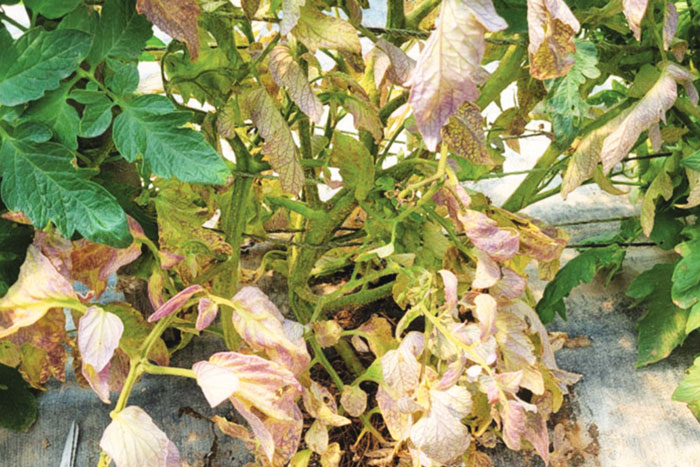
pixel 100 176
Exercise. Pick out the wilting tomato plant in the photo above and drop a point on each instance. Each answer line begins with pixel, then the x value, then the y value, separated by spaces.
pixel 347 148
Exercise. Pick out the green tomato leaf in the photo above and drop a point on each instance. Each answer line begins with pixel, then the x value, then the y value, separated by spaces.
pixel 355 163
pixel 692 161
pixel 54 111
pixel 97 115
pixel 52 9
pixel 150 126
pixel 18 407
pixel 38 61
pixel 686 276
pixel 565 102
pixel 579 270
pixel 122 32
pixel 40 180
pixel 121 77
pixel 688 390
pixel 662 328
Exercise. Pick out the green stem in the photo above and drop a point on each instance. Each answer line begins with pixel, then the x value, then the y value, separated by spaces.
pixel 508 67
pixel 166 370
pixel 523 195
pixel 19 26
pixel 417 15
pixel 395 17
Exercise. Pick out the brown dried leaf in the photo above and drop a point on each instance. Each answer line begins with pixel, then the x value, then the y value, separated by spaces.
pixel 464 135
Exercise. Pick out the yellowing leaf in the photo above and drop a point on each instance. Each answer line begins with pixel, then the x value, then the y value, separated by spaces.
pixel 634 12
pixel 355 163
pixel 448 69
pixel 645 113
pixel 177 18
pixel 400 370
pixel 279 145
pixel 661 186
pixel 377 331
pixel 316 437
pixel 133 440
pixel 39 288
pixel 464 135
pixel 288 73
pixel 99 333
pixel 327 332
pixel 93 263
pixel 440 433
pixel 291 11
pixel 353 400
pixel 397 422
pixel 365 117
pixel 320 403
pixel 552 28
pixel 316 30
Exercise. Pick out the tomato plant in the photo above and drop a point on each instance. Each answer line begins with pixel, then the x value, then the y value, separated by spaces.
pixel 345 149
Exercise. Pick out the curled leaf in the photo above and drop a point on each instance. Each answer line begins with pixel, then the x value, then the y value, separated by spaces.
pixel 99 333
pixel 448 69
pixel 552 28
pixel 98 380
pixel 400 64
pixel 218 382
pixel 634 12
pixel 133 440
pixel 327 332
pixel 450 282
pixel 670 24
pixel 175 303
pixel 316 30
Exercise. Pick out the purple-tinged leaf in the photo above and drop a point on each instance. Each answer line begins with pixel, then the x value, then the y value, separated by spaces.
pixel 450 283
pixel 552 28
pixel 177 18
pixel 400 370
pixel 133 440
pixel 536 433
pixel 206 313
pixel 485 311
pixel 400 65
pixel 634 12
pixel 37 289
pixel 397 422
pixel 93 263
pixel 670 24
pixel 279 144
pixel 452 375
pixel 500 243
pixel 448 69
pixel 365 117
pixel 99 333
pixel 288 73
pixel 511 286
pixel 517 350
pixel 259 323
pixel 175 302
pixel 440 433
pixel 514 421
pixel 218 382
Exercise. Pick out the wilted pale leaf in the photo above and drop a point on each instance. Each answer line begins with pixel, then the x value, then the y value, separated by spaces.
pixel 440 433
pixel 38 288
pixel 400 370
pixel 99 333
pixel 260 382
pixel 316 437
pixel 634 11
pixel 397 422
pixel 218 382
pixel 448 69
pixel 552 28
pixel 320 403
pixel 93 263
pixel 450 283
pixel 400 64
pixel 587 155
pixel 279 145
pixel 518 350
pixel 316 30
pixel 98 381
pixel 355 163
pixel 262 434
pixel 327 332
pixel 485 311
pixel 511 286
pixel 353 400
pixel 377 331
pixel 291 11
pixel 464 135
pixel 177 18
pixel 175 303
pixel 332 456
pixel 288 73
pixel 670 24
pixel 500 243
pixel 487 271
pixel 206 313
pixel 259 323
pixel 133 440
pixel 536 433
pixel 645 113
